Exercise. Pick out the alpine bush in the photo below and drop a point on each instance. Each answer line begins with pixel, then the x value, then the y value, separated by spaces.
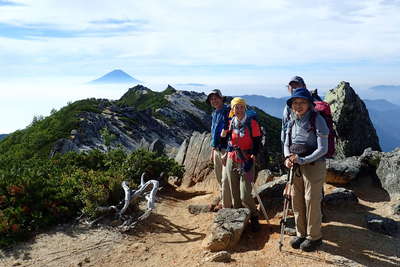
pixel 39 192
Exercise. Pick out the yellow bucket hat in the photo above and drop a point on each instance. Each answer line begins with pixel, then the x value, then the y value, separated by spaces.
pixel 234 102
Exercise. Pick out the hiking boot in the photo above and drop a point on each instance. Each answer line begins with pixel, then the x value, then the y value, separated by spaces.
pixel 254 224
pixel 310 245
pixel 296 241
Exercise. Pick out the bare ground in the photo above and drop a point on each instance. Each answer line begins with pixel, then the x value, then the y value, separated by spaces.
pixel 172 236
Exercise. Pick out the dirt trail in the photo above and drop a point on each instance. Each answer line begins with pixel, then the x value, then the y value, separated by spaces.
pixel 172 237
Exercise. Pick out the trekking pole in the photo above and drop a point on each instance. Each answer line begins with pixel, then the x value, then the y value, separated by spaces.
pixel 243 158
pixel 285 209
pixel 259 201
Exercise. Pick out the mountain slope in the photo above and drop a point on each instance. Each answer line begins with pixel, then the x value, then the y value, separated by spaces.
pixel 141 118
pixel 380 104
pixel 115 76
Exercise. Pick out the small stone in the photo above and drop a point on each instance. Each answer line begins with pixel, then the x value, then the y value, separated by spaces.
pixel 135 245
pixel 215 201
pixel 87 259
pixel 26 257
pixel 396 208
pixel 16 263
pixel 197 209
pixel 222 256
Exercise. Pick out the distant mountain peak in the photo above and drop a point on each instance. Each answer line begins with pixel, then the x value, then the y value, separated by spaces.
pixel 386 88
pixel 115 76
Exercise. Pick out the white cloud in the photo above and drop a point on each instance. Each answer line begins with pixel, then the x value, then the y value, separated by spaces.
pixel 172 35
pixel 239 46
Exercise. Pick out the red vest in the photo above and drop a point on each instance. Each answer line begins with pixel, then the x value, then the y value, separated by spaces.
pixel 244 142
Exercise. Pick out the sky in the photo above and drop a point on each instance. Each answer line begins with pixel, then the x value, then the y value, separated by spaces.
pixel 50 49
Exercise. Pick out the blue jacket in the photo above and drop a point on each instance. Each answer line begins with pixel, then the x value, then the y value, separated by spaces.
pixel 219 121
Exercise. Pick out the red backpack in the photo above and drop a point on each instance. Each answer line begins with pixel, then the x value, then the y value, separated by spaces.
pixel 324 110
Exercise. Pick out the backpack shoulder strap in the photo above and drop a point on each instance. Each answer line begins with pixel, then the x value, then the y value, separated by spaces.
pixel 290 127
pixel 251 115
pixel 247 124
pixel 313 118
pixel 287 114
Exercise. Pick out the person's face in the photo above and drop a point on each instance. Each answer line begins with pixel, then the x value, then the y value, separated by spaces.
pixel 239 110
pixel 216 101
pixel 293 86
pixel 300 106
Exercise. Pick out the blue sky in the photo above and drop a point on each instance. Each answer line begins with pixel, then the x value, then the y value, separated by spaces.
pixel 256 43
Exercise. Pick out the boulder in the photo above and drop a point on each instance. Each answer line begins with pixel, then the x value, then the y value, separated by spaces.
pixel 340 196
pixel 263 177
pixel 271 194
pixel 352 122
pixel 380 224
pixel 197 159
pixel 388 172
pixel 342 171
pixel 227 229
pixel 370 158
pixel 180 156
pixel 273 189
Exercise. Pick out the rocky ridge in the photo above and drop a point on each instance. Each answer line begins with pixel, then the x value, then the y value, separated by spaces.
pixel 138 119
pixel 142 118
pixel 353 125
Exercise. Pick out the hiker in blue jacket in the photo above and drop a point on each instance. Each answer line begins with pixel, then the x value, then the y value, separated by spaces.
pixel 219 121
pixel 306 144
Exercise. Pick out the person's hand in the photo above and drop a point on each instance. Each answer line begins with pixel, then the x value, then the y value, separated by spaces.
pixel 287 192
pixel 294 158
pixel 224 132
pixel 253 157
pixel 288 163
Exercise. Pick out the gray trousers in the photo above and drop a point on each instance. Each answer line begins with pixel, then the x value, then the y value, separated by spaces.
pixel 306 199
pixel 220 173
pixel 240 188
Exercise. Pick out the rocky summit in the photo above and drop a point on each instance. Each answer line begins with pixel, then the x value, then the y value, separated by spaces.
pixel 142 118
pixel 352 122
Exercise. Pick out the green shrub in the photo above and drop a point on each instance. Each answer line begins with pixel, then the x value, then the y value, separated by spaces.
pixel 149 100
pixel 39 192
pixel 37 139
